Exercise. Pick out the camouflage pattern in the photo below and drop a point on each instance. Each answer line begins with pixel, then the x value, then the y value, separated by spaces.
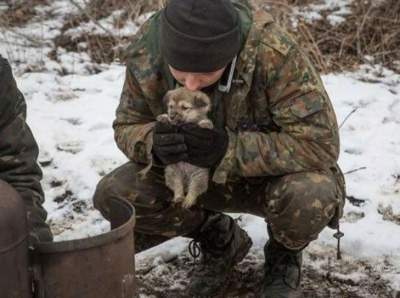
pixel 281 125
pixel 152 200
pixel 296 206
pixel 18 153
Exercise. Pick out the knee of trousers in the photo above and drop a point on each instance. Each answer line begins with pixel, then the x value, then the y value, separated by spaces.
pixel 299 206
pixel 147 194
pixel 120 183
pixel 13 218
pixel 151 199
pixel 102 195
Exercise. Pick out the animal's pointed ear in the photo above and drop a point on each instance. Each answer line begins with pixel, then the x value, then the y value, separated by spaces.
pixel 201 101
pixel 166 98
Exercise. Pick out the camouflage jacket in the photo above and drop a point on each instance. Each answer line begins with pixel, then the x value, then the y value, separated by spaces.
pixel 278 115
pixel 19 151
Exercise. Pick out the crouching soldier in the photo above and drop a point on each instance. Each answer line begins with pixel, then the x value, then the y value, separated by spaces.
pixel 22 218
pixel 273 152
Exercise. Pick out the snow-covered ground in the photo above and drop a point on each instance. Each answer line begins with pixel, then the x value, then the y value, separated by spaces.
pixel 339 8
pixel 71 117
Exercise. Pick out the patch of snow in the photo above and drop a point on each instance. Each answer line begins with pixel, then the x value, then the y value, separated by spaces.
pixel 73 127
pixel 110 24
pixel 71 117
pixel 339 9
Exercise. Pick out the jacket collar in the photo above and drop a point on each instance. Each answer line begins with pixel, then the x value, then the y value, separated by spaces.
pixel 247 58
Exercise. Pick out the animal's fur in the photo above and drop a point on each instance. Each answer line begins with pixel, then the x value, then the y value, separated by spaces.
pixel 186 180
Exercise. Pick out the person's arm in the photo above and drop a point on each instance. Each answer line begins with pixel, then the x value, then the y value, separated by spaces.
pixel 308 137
pixel 134 122
pixel 19 152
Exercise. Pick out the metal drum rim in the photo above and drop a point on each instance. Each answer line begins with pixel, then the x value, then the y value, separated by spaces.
pixel 90 242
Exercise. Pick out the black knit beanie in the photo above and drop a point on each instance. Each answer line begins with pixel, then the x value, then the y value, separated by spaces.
pixel 199 35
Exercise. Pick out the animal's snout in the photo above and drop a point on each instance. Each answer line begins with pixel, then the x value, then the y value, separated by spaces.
pixel 172 115
pixel 175 118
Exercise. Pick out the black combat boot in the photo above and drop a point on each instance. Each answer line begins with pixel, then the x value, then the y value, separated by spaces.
pixel 282 271
pixel 144 241
pixel 223 244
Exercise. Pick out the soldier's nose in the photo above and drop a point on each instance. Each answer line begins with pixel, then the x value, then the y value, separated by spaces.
pixel 192 83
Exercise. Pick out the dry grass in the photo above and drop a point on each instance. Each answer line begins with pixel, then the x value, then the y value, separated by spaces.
pixel 20 13
pixel 132 8
pixel 100 48
pixel 370 34
pixel 371 30
pixel 107 47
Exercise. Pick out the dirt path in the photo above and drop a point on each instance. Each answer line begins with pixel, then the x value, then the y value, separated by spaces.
pixel 170 279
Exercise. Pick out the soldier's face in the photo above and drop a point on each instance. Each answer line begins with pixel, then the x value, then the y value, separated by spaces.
pixel 195 81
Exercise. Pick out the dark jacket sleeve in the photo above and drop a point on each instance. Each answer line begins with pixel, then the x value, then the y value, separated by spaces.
pixel 134 123
pixel 19 152
pixel 135 119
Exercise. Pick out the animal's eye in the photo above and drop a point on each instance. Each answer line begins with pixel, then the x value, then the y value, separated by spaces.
pixel 185 108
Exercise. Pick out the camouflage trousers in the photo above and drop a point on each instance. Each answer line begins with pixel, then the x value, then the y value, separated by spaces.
pixel 296 207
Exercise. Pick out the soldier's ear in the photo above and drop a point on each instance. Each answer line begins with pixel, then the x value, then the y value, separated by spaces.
pixel 201 102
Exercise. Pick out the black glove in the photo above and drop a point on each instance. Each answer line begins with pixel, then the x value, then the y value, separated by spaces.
pixel 205 147
pixel 168 144
pixel 39 235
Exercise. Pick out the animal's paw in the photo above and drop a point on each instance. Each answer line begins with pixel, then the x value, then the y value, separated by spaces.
pixel 178 199
pixel 188 202
pixel 206 124
pixel 163 118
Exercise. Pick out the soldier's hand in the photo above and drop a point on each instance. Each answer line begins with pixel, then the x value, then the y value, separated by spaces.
pixel 205 147
pixel 168 144
pixel 41 234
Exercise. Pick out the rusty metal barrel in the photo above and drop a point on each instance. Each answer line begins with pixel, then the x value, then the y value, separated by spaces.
pixel 14 275
pixel 97 267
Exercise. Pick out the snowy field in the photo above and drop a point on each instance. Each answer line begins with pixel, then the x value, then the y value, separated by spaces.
pixel 71 116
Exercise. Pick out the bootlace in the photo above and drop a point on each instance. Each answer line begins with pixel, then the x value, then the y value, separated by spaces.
pixel 207 258
pixel 194 249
